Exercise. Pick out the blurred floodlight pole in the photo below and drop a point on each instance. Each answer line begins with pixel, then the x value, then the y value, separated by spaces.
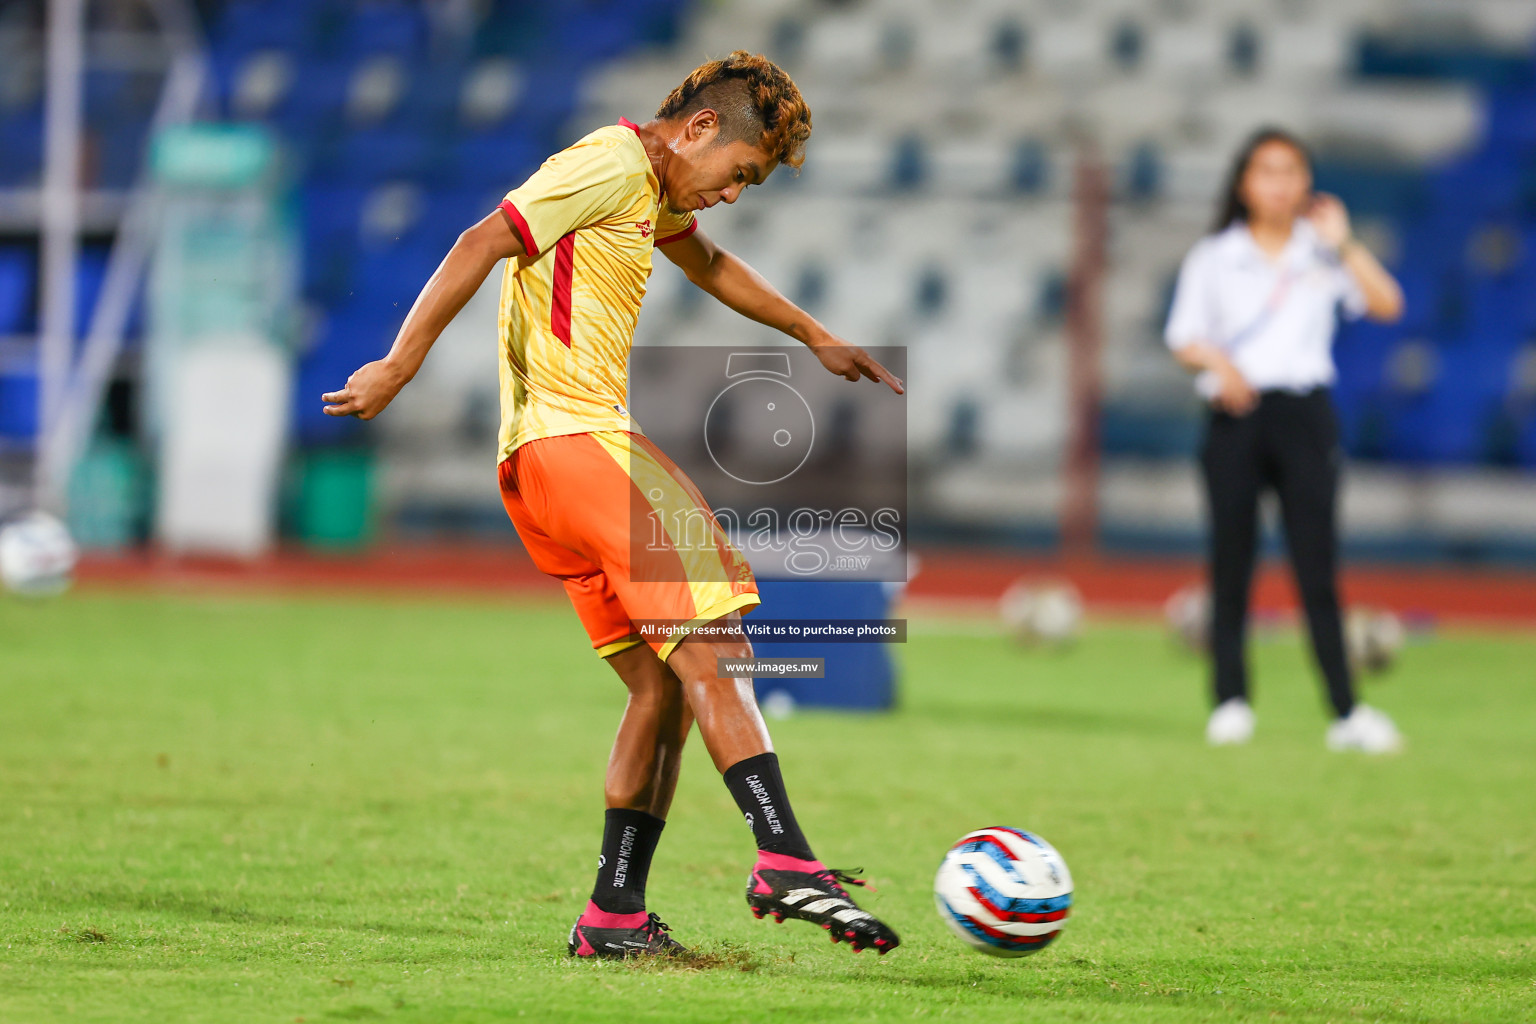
pixel 1085 289
pixel 61 230
pixel 88 377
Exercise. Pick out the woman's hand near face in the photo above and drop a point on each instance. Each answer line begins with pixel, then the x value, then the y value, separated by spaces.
pixel 1329 219
pixel 1383 295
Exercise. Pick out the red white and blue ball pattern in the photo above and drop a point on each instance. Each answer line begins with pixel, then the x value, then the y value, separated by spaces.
pixel 1004 891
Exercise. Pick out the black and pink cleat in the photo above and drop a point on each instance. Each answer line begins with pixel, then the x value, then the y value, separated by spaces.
pixel 615 936
pixel 807 890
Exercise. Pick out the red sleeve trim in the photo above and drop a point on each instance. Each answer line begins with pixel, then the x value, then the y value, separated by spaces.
pixel 521 227
pixel 690 229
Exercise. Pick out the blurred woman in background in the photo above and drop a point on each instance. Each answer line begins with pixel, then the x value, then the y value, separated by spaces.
pixel 1253 315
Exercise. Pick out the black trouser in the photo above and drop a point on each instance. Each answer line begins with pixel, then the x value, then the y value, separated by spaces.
pixel 1289 442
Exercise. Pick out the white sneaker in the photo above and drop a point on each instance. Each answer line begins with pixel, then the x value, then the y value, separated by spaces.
pixel 1367 730
pixel 1231 723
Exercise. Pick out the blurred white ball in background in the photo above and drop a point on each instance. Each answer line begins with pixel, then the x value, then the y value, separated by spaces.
pixel 37 555
pixel 1042 611
pixel 1188 614
pixel 777 704
pixel 1373 637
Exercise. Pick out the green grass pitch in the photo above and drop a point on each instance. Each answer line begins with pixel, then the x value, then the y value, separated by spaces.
pixel 246 808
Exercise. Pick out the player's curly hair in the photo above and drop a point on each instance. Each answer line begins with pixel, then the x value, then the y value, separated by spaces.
pixel 757 102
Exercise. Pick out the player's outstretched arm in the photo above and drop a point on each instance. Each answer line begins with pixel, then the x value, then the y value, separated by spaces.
pixel 459 276
pixel 743 289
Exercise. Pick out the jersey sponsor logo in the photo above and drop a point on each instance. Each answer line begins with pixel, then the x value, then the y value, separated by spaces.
pixel 645 228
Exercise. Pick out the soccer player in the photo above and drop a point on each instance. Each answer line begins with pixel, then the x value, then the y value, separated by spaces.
pixel 579 236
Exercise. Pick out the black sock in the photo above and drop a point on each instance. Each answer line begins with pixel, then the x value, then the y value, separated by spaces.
pixel 758 789
pixel 629 840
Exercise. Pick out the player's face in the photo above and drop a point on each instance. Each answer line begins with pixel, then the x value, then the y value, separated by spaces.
pixel 1277 183
pixel 715 172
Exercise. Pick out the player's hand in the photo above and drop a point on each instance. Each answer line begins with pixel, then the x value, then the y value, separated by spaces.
pixel 372 387
pixel 1235 395
pixel 851 362
pixel 1329 219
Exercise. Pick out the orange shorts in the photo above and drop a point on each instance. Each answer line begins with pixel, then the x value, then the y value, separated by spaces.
pixel 628 534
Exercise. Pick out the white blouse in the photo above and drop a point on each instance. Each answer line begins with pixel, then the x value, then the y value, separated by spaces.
pixel 1274 318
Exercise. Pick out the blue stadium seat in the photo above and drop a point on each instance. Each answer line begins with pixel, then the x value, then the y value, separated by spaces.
pixel 312 110
pixel 330 216
pixel 1484 183
pixel 586 37
pixel 21 148
pixel 431 102
pixel 658 22
pixel 545 108
pixel 1029 170
pixel 249 25
pixel 494 159
pixel 379 154
pixel 112 96
pixel 1427 55
pixel 18 405
pixel 1424 295
pixel 1373 189
pixel 909 163
pixel 18 289
pixel 1437 239
pixel 448 212
pixel 1511 124
pixel 1455 421
pixel 1503 303
pixel 397 28
pixel 120 150
pixel 1361 349
pixel 1142 175
pixel 386 281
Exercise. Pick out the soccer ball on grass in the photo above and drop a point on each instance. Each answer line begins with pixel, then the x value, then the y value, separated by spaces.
pixel 37 555
pixel 1005 892
pixel 1042 611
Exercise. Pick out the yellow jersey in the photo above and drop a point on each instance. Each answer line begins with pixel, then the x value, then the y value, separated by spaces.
pixel 590 219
